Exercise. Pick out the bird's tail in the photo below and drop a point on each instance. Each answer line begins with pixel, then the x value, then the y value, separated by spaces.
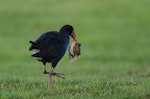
pixel 32 42
pixel 33 46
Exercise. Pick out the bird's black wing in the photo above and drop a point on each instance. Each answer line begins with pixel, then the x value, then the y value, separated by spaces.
pixel 49 45
pixel 38 41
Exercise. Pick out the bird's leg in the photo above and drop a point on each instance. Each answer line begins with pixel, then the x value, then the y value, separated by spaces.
pixel 51 73
pixel 50 77
pixel 44 69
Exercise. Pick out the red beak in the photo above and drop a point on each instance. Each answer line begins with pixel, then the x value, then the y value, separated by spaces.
pixel 73 36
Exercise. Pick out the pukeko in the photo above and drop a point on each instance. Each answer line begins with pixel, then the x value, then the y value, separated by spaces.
pixel 50 47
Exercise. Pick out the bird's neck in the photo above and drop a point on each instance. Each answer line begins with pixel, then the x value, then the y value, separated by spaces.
pixel 66 37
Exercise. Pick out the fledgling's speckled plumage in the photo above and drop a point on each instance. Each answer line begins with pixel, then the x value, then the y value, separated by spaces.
pixel 74 51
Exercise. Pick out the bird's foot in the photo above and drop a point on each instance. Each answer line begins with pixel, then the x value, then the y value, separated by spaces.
pixel 55 74
pixel 45 72
pixel 58 75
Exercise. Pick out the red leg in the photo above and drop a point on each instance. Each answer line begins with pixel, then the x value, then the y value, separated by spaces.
pixel 50 77
pixel 44 69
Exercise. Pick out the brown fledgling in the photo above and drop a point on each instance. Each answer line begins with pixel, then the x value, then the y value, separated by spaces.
pixel 74 51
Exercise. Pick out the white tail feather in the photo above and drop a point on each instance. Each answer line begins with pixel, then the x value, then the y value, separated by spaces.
pixel 34 51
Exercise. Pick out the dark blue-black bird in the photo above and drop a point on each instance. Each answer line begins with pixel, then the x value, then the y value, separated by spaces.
pixel 50 47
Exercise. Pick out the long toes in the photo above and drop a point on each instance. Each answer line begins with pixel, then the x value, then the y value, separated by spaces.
pixel 59 74
pixel 54 73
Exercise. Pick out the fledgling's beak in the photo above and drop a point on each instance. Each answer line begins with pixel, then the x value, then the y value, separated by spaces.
pixel 73 36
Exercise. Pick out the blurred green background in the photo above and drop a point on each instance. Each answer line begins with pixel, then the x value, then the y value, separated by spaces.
pixel 115 45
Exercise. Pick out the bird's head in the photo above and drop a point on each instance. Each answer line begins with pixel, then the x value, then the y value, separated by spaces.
pixel 69 29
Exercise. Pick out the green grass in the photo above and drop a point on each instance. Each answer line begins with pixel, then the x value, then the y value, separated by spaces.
pixel 115 38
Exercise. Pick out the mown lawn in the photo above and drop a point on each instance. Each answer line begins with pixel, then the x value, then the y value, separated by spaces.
pixel 115 38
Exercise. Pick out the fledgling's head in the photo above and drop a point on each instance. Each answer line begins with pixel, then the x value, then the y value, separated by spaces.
pixel 76 50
